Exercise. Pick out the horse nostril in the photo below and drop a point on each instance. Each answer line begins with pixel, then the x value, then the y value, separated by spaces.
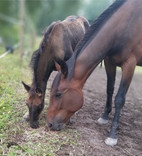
pixel 50 125
pixel 34 125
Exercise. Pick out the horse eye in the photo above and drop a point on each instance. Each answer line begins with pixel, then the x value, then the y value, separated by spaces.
pixel 58 95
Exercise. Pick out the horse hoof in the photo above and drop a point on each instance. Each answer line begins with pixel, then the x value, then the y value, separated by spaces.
pixel 72 120
pixel 26 117
pixel 24 120
pixel 111 141
pixel 102 121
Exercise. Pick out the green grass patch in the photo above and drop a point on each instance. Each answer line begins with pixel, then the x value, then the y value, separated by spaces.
pixel 10 77
pixel 138 69
pixel 11 73
pixel 2 50
pixel 16 137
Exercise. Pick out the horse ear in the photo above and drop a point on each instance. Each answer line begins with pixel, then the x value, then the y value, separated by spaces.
pixel 26 86
pixel 58 67
pixel 61 66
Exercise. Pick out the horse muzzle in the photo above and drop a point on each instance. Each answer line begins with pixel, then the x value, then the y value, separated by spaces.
pixel 34 124
pixel 54 126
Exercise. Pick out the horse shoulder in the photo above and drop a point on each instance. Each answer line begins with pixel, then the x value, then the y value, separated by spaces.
pixel 57 40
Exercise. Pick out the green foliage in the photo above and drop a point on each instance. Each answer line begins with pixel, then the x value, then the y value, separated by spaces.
pixel 16 137
pixel 9 21
pixel 40 13
pixel 8 35
pixel 9 7
pixel 52 10
pixel 2 49
pixel 9 80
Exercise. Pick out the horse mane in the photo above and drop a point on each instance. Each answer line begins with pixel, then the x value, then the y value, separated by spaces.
pixel 36 55
pixel 92 31
pixel 97 24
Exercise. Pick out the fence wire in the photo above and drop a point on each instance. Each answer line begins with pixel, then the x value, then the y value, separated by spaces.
pixel 8 51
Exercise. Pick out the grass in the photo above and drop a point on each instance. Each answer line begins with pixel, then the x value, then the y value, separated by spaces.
pixel 16 137
pixel 9 80
pixel 138 69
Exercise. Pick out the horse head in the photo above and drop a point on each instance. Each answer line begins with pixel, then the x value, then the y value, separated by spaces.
pixel 65 99
pixel 35 104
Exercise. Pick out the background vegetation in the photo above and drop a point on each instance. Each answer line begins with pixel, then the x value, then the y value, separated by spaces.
pixel 40 13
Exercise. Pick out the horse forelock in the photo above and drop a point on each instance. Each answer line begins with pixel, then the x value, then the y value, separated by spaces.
pixel 97 25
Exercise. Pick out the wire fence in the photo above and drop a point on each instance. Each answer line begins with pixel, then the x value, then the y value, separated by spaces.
pixel 8 51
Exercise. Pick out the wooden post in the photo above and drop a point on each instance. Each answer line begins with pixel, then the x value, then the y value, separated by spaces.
pixel 22 6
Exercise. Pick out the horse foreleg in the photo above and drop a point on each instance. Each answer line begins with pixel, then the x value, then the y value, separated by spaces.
pixel 127 74
pixel 110 72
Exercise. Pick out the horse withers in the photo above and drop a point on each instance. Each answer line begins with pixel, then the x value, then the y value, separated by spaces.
pixel 58 44
pixel 116 37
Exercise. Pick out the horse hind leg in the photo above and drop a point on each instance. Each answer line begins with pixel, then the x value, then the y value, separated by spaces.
pixel 127 74
pixel 111 73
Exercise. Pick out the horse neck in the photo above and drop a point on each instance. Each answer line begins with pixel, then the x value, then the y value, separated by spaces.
pixel 43 71
pixel 91 56
pixel 99 45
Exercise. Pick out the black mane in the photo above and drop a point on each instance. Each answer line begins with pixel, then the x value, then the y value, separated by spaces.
pixel 97 24
pixel 92 31
pixel 36 55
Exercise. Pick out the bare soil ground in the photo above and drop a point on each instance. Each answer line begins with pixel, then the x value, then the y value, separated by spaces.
pixel 85 137
pixel 92 135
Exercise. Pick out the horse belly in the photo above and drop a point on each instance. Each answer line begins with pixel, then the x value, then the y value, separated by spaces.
pixel 139 62
pixel 119 58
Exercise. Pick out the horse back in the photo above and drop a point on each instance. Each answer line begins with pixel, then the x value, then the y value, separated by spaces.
pixel 127 36
pixel 66 34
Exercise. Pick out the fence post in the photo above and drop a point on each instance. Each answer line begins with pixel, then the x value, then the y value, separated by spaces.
pixel 21 33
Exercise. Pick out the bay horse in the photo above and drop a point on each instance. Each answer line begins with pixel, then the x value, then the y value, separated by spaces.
pixel 58 44
pixel 116 37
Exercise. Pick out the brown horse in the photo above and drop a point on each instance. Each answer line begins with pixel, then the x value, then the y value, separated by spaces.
pixel 58 44
pixel 115 36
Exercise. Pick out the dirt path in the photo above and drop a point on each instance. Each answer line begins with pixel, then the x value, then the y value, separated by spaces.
pixel 92 135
